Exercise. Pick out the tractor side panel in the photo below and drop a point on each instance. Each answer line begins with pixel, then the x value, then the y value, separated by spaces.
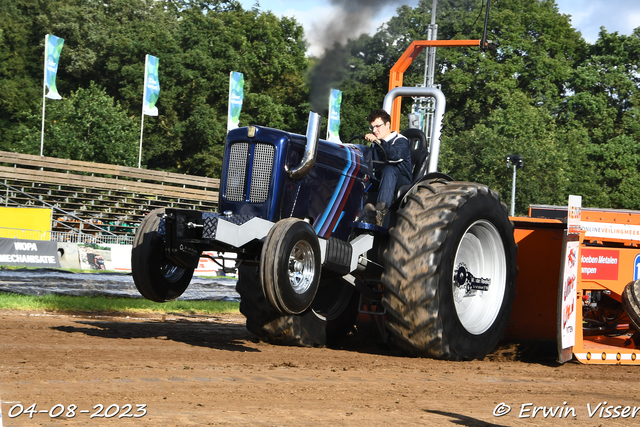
pixel 254 180
pixel 331 193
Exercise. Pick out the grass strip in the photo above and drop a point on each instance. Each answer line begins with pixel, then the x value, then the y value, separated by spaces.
pixel 78 270
pixel 52 302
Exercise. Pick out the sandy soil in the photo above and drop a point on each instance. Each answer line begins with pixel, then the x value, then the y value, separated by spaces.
pixel 209 371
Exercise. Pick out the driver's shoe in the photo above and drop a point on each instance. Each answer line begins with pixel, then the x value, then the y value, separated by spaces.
pixel 381 213
pixel 369 214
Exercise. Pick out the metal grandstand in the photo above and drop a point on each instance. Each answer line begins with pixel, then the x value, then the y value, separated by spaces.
pixel 94 202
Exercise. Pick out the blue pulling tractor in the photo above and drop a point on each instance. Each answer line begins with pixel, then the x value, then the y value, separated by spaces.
pixel 439 275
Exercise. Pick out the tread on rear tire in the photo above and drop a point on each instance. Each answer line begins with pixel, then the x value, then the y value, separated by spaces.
pixel 303 330
pixel 450 271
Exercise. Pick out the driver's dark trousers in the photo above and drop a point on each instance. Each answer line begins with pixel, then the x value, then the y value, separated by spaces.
pixel 392 179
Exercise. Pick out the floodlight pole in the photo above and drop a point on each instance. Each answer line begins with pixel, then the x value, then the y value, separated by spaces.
pixel 516 162
pixel 513 192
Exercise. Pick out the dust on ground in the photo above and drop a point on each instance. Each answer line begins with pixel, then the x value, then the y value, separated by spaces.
pixel 208 370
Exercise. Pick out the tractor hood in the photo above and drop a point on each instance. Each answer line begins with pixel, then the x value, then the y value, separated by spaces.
pixel 351 160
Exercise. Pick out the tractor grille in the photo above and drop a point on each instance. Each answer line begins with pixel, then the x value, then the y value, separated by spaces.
pixel 240 154
pixel 237 171
pixel 261 172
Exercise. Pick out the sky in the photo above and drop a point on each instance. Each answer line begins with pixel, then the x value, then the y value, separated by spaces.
pixel 587 16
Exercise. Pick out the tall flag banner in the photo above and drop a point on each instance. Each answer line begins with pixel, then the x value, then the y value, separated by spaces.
pixel 333 127
pixel 150 95
pixel 151 86
pixel 52 50
pixel 53 47
pixel 236 96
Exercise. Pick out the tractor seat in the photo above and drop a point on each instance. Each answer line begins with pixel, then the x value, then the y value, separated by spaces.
pixel 419 152
pixel 419 158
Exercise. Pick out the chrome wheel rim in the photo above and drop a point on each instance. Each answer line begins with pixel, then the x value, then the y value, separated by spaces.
pixel 301 267
pixel 479 277
pixel 172 273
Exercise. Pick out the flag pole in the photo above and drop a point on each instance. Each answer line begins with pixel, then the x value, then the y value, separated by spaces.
pixel 144 96
pixel 44 91
pixel 140 152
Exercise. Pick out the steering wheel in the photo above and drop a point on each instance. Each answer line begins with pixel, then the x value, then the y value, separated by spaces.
pixel 360 139
pixel 378 145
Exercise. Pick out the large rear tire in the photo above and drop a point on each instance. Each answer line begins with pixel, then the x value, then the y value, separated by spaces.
pixel 337 301
pixel 156 278
pixel 305 330
pixel 450 271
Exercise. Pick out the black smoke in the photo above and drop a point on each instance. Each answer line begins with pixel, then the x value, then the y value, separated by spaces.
pixel 355 17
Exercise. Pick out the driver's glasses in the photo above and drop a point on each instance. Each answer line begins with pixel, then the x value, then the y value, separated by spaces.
pixel 375 127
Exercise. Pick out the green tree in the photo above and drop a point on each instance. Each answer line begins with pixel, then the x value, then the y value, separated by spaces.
pixel 19 59
pixel 270 53
pixel 198 43
pixel 603 103
pixel 543 93
pixel 570 108
pixel 619 161
pixel 480 154
pixel 87 125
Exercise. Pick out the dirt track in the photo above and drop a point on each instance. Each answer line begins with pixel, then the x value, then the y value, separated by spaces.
pixel 210 371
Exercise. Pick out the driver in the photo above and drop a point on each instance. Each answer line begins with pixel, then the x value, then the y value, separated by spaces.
pixel 397 172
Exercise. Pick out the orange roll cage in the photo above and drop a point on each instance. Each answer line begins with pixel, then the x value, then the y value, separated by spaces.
pixel 397 71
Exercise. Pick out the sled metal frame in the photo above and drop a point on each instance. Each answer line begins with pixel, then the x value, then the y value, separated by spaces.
pixel 536 313
pixel 620 350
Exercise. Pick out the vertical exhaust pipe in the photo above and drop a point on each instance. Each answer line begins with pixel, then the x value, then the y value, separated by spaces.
pixel 311 149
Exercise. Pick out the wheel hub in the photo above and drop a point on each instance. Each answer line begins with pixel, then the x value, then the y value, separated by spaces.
pixel 466 284
pixel 301 267
pixel 171 272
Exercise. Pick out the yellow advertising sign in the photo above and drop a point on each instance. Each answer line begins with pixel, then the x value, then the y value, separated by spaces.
pixel 25 223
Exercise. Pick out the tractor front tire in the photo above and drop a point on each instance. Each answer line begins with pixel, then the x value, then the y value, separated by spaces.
pixel 290 266
pixel 450 271
pixel 156 278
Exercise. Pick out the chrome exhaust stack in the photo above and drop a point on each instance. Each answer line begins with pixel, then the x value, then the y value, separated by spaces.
pixel 310 151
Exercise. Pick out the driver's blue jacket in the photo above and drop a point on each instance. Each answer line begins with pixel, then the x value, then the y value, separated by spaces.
pixel 394 175
pixel 397 147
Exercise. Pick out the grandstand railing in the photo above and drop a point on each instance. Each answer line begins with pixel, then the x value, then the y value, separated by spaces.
pixel 57 236
pixel 16 233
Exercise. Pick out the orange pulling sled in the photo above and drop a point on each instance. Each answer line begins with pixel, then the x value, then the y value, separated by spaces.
pixel 570 286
